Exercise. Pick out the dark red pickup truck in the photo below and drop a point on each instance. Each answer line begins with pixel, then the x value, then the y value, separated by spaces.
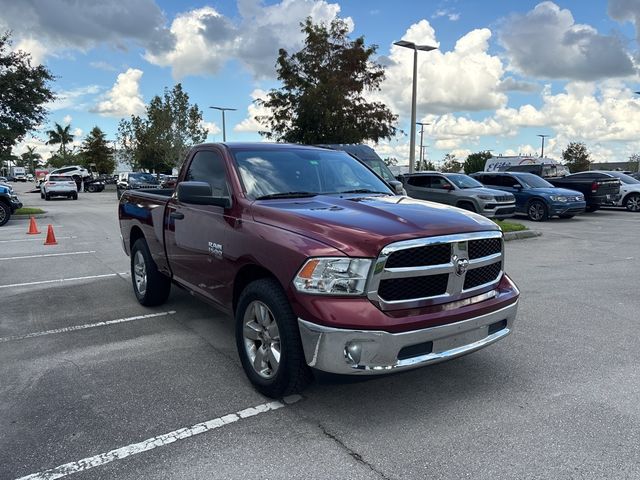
pixel 321 264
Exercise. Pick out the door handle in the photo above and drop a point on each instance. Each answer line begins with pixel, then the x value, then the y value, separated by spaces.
pixel 176 215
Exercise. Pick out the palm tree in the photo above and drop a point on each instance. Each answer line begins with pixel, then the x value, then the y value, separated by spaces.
pixel 31 157
pixel 61 136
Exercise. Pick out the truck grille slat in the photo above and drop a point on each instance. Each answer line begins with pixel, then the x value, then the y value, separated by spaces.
pixel 433 270
pixel 482 275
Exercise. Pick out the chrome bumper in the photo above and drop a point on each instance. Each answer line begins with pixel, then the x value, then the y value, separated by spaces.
pixel 372 352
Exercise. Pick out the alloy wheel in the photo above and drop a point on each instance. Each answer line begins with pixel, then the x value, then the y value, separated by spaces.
pixel 140 272
pixel 633 203
pixel 536 211
pixel 261 339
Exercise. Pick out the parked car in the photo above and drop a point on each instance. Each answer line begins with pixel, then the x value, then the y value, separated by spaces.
pixel 59 186
pixel 72 171
pixel 136 181
pixel 321 263
pixel 535 197
pixel 169 181
pixel 93 185
pixel 461 191
pixel 30 177
pixel 598 189
pixel 629 196
pixel 9 203
pixel 4 180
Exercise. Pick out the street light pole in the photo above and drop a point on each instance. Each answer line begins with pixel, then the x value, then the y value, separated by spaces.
pixel 421 164
pixel 224 129
pixel 543 137
pixel 412 138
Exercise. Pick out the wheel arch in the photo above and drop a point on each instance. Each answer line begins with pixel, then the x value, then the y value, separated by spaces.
pixel 626 197
pixel 247 274
pixel 134 235
pixel 468 201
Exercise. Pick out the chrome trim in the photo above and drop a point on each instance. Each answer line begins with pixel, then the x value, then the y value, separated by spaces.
pixel 455 285
pixel 325 348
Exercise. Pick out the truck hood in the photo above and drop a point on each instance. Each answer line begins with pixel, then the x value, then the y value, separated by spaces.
pixel 360 226
pixel 484 191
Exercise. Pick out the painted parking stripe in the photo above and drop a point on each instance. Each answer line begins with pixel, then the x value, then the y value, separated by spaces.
pixel 85 326
pixel 47 255
pixel 34 239
pixel 63 280
pixel 159 441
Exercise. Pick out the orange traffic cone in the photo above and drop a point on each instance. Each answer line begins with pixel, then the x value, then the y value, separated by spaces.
pixel 51 238
pixel 33 228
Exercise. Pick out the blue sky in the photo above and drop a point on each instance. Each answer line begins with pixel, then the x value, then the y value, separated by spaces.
pixel 504 71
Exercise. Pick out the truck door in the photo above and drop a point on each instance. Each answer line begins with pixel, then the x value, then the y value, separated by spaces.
pixel 195 235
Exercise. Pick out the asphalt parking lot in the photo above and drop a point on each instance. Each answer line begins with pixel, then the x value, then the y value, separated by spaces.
pixel 160 393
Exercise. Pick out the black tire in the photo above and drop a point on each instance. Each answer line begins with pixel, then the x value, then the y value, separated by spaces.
pixel 565 215
pixel 537 211
pixel 42 195
pixel 47 197
pixel 90 188
pixel 592 208
pixel 157 286
pixel 74 195
pixel 292 374
pixel 632 202
pixel 467 206
pixel 5 213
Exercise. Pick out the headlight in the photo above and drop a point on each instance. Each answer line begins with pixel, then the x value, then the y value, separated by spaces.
pixel 558 198
pixel 333 276
pixel 489 198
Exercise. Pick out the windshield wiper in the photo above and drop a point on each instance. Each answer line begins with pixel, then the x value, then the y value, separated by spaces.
pixel 363 190
pixel 287 195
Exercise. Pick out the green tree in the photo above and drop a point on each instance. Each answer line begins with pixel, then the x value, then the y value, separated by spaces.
pixel 60 135
pixel 634 163
pixel 160 140
pixel 31 158
pixel 451 164
pixel 322 95
pixel 390 161
pixel 24 92
pixel 576 157
pixel 97 151
pixel 475 162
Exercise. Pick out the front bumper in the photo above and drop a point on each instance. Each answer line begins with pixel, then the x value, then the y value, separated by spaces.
pixel 568 208
pixel 371 352
pixel 15 204
pixel 498 209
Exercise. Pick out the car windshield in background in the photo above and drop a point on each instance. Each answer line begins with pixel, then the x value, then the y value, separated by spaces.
pixel 143 178
pixel 533 181
pixel 60 178
pixel 380 168
pixel 624 178
pixel 303 172
pixel 463 181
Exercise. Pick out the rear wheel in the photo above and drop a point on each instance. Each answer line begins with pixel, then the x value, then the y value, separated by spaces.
pixel 537 211
pixel 632 202
pixel 268 340
pixel 5 213
pixel 90 188
pixel 74 195
pixel 150 286
pixel 42 195
pixel 47 196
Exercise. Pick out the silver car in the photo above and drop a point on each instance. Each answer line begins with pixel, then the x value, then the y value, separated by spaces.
pixel 461 191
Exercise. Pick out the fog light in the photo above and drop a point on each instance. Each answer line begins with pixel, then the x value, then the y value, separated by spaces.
pixel 353 352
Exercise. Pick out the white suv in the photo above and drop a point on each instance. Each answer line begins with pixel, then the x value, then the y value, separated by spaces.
pixel 59 186
pixel 629 190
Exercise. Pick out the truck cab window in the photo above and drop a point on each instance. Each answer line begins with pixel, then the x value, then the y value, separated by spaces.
pixel 208 166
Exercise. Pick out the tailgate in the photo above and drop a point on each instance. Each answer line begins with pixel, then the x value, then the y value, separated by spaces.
pixel 609 186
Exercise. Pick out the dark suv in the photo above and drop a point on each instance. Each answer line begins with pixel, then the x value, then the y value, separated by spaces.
pixel 535 197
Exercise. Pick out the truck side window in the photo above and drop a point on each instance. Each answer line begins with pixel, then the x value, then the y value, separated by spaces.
pixel 508 181
pixel 208 166
pixel 438 182
pixel 419 181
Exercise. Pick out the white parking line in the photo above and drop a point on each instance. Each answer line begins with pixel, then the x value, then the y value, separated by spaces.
pixel 37 239
pixel 159 441
pixel 85 326
pixel 47 255
pixel 62 280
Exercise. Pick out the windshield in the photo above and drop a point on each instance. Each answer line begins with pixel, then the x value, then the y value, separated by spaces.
pixel 143 177
pixel 380 168
pixel 304 172
pixel 533 181
pixel 624 178
pixel 464 181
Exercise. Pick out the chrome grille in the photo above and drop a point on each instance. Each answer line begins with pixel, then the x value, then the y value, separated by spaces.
pixel 505 198
pixel 428 271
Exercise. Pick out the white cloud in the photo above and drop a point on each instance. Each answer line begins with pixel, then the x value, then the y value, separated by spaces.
pixel 36 49
pixel 124 98
pixel 250 124
pixel 465 78
pixel 67 119
pixel 75 98
pixel 211 127
pixel 452 16
pixel 205 39
pixel 546 42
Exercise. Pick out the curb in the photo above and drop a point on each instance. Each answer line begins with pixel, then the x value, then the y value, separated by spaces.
pixel 27 216
pixel 521 235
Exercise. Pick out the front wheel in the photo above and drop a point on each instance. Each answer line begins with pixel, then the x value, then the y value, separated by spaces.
pixel 90 188
pixel 632 203
pixel 47 196
pixel 268 340
pixel 5 213
pixel 150 286
pixel 537 211
pixel 74 195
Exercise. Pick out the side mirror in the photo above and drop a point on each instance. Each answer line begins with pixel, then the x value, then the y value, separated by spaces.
pixel 517 187
pixel 199 193
pixel 397 187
